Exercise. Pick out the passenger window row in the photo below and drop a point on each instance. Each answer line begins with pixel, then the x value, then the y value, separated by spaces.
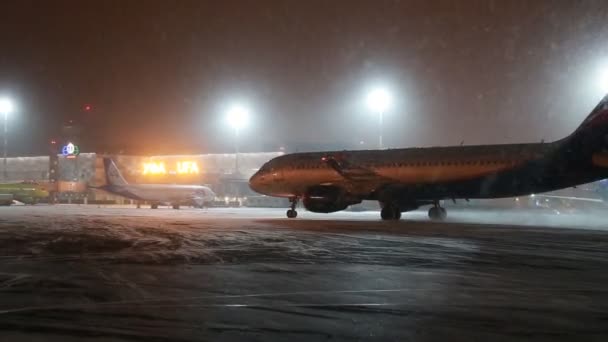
pixel 449 163
pixel 413 164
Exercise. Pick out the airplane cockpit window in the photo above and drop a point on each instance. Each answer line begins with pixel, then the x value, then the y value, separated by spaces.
pixel 268 167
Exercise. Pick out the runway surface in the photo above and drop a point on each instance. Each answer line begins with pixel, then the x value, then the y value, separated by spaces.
pixel 73 273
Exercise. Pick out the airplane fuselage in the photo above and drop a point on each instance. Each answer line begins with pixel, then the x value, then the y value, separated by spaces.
pixel 427 173
pixel 162 193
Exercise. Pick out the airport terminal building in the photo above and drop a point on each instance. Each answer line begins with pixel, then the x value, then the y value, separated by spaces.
pixel 73 177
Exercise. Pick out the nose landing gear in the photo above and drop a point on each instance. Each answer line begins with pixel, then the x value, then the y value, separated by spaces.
pixel 437 213
pixel 292 213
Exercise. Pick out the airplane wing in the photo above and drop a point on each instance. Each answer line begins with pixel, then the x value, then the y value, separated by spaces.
pixel 351 171
pixel 571 198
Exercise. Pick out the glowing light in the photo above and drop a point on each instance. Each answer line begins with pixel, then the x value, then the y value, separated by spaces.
pixel 6 106
pixel 238 117
pixel 87 108
pixel 70 150
pixel 154 168
pixel 187 167
pixel 379 100
pixel 181 168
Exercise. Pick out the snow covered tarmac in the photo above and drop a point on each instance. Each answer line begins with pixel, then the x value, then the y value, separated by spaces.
pixel 70 273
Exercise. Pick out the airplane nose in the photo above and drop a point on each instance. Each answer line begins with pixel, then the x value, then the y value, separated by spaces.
pixel 255 182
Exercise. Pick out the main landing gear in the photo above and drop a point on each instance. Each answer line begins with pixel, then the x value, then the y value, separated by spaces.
pixel 437 213
pixel 292 213
pixel 390 212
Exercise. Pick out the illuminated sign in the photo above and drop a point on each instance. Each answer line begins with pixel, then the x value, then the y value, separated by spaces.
pixel 70 150
pixel 182 168
pixel 154 169
pixel 187 167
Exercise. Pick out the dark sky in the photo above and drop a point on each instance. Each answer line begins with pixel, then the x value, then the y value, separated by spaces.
pixel 160 73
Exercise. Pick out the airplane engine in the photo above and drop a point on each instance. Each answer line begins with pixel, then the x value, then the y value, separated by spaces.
pixel 327 199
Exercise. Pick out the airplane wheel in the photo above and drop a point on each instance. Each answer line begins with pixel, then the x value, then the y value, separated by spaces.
pixel 291 213
pixel 443 214
pixel 433 213
pixel 438 213
pixel 390 212
pixel 154 206
pixel 386 213
pixel 176 206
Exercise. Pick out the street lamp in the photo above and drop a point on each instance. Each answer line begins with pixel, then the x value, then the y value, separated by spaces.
pixel 379 100
pixel 6 107
pixel 238 118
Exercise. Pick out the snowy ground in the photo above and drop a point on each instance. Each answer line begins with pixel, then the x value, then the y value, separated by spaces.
pixel 69 273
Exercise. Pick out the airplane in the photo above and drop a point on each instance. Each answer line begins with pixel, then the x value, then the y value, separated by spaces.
pixel 25 192
pixel 406 179
pixel 155 193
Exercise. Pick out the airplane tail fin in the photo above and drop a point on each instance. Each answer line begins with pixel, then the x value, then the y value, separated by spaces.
pixel 597 119
pixel 592 135
pixel 113 175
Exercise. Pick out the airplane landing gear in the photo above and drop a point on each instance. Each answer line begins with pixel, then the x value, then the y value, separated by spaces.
pixel 175 206
pixel 390 212
pixel 154 206
pixel 437 213
pixel 292 213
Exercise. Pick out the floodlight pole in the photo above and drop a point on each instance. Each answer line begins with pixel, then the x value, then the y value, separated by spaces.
pixel 236 150
pixel 380 114
pixel 4 170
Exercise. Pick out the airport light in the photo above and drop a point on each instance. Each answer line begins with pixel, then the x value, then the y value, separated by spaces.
pixel 6 107
pixel 378 101
pixel 238 118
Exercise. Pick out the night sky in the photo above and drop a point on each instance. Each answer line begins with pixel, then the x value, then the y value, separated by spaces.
pixel 160 74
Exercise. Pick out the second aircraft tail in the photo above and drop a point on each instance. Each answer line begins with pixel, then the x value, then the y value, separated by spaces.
pixel 113 175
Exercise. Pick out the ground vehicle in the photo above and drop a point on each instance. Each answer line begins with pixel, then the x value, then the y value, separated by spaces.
pixel 25 192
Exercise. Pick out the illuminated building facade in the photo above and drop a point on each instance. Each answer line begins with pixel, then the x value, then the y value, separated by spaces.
pixel 74 174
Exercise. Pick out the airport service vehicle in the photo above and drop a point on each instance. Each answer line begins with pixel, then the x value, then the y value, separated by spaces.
pixel 25 192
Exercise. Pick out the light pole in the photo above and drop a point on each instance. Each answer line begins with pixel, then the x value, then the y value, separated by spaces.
pixel 378 100
pixel 237 117
pixel 6 107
